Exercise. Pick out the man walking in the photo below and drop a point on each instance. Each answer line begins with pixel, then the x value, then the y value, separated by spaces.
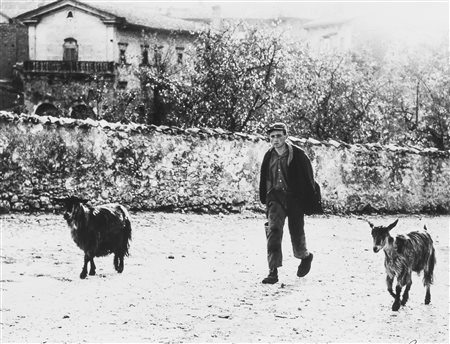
pixel 287 189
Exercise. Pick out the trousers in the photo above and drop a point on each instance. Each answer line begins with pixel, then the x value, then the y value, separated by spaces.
pixel 279 206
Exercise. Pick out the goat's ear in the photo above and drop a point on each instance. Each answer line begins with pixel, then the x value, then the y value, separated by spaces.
pixel 392 225
pixel 370 224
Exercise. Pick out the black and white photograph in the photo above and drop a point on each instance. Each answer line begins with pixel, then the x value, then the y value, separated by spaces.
pixel 236 171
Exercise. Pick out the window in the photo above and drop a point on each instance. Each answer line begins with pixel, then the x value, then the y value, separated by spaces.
pixel 122 50
pixel 122 84
pixel 328 41
pixel 180 55
pixel 70 50
pixel 158 55
pixel 144 48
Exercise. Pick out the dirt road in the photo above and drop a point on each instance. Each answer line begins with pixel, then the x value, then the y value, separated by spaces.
pixel 196 278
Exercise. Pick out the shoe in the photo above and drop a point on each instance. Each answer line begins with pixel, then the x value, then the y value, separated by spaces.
pixel 271 278
pixel 305 266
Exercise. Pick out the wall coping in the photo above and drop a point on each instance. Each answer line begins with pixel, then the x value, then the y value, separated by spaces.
pixel 7 117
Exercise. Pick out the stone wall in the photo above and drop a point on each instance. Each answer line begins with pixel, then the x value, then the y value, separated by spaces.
pixel 14 47
pixel 151 168
pixel 64 92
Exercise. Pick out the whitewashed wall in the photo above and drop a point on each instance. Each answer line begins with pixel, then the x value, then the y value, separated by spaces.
pixel 148 167
pixel 90 32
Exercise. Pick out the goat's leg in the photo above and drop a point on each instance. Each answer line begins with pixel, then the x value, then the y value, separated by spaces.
pixel 404 279
pixel 428 275
pixel 428 295
pixel 118 262
pixel 92 270
pixel 389 281
pixel 119 266
pixel 406 293
pixel 396 304
pixel 84 271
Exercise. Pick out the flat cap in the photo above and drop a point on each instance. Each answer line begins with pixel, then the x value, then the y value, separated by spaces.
pixel 277 126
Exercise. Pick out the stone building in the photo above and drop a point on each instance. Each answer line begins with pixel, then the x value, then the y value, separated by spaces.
pixel 81 56
pixel 13 48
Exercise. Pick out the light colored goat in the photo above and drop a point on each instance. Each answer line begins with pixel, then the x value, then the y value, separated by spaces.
pixel 404 254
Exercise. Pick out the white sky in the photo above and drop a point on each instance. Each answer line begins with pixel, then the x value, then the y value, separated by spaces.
pixel 420 20
pixel 409 19
pixel 431 15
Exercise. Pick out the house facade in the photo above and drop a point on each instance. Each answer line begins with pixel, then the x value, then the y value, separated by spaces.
pixel 81 56
pixel 329 35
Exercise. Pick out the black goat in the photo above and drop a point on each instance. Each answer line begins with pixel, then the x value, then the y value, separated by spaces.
pixel 98 231
pixel 403 254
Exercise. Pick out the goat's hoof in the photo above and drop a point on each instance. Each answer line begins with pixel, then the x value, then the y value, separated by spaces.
pixel 120 269
pixel 404 302
pixel 92 273
pixel 396 306
pixel 83 275
pixel 427 301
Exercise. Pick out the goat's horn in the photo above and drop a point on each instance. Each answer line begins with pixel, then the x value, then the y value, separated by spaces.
pixel 370 223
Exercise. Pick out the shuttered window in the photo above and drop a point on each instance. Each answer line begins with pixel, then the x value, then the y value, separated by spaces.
pixel 70 47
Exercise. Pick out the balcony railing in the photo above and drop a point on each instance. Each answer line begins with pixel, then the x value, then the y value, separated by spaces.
pixel 69 67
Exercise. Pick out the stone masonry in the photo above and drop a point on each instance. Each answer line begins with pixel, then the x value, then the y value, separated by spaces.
pixel 198 169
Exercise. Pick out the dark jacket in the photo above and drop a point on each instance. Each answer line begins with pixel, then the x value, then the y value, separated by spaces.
pixel 300 180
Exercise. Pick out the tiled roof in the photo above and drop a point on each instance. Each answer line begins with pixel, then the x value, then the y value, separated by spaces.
pixel 8 117
pixel 145 16
pixel 133 13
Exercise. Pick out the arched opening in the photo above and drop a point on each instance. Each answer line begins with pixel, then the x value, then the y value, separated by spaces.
pixel 70 50
pixel 47 109
pixel 82 111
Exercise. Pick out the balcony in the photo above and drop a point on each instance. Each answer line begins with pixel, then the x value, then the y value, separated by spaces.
pixel 69 67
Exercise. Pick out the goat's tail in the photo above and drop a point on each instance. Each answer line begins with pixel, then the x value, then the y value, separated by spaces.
pixel 128 235
pixel 429 268
pixel 127 230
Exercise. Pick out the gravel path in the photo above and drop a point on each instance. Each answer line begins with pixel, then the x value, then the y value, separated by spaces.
pixel 196 278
